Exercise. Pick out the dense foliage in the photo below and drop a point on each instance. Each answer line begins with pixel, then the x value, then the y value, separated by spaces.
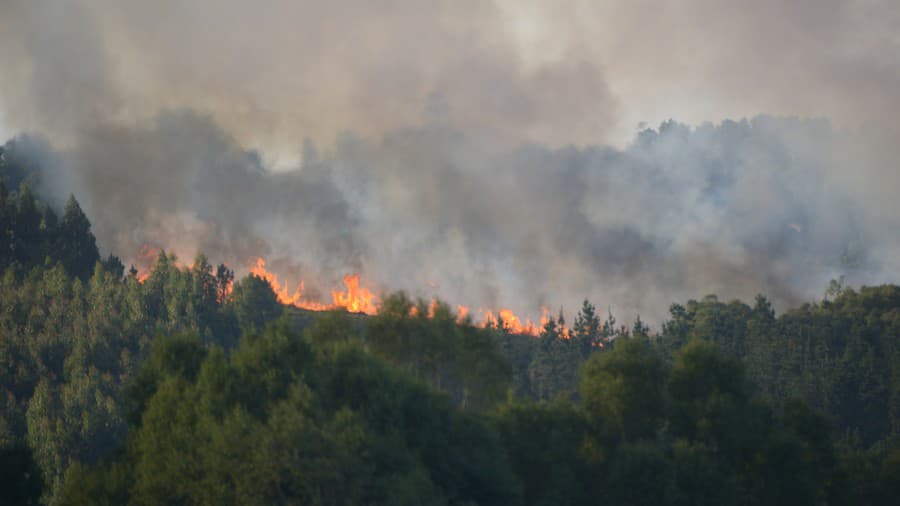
pixel 288 419
pixel 67 348
pixel 280 421
pixel 841 356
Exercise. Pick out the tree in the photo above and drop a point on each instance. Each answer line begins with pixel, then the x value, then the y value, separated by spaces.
pixel 114 266
pixel 7 220
pixel 624 390
pixel 710 397
pixel 278 422
pixel 587 331
pixel 254 302
pixel 224 279
pixel 77 246
pixel 544 443
pixel 27 241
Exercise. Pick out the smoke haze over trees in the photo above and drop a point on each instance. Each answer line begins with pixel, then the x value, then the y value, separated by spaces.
pixel 436 142
pixel 771 205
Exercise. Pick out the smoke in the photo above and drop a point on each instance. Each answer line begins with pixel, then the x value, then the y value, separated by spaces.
pixel 479 164
pixel 284 70
pixel 770 205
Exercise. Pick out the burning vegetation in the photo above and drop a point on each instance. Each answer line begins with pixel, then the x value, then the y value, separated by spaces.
pixel 356 298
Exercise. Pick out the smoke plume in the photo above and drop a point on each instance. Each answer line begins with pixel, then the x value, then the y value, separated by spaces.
pixel 473 150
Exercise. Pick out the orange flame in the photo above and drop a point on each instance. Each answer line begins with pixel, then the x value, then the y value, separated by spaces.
pixel 462 312
pixel 355 299
pixel 509 321
pixel 358 299
pixel 283 292
pixel 145 261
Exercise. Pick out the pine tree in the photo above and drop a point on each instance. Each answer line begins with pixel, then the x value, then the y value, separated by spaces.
pixel 224 280
pixel 7 218
pixel 77 247
pixel 26 236
pixel 586 334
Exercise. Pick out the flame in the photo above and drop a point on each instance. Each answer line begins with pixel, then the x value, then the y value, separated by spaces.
pixel 282 292
pixel 357 299
pixel 145 260
pixel 510 322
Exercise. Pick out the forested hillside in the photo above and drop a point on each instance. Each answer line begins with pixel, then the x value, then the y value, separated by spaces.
pixel 191 387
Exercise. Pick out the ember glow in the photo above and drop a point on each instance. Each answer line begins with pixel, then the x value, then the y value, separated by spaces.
pixel 144 262
pixel 147 258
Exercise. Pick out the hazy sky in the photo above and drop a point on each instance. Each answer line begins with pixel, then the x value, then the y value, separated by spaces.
pixel 555 71
pixel 439 131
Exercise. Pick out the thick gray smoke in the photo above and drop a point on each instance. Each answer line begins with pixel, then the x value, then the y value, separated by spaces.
pixel 455 178
pixel 771 205
pixel 280 70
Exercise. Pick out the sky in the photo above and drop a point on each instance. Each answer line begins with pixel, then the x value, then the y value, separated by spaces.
pixel 512 153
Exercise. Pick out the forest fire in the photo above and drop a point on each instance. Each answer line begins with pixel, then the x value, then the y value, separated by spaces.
pixel 508 320
pixel 355 298
pixel 144 261
pixel 284 295
pixel 358 299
